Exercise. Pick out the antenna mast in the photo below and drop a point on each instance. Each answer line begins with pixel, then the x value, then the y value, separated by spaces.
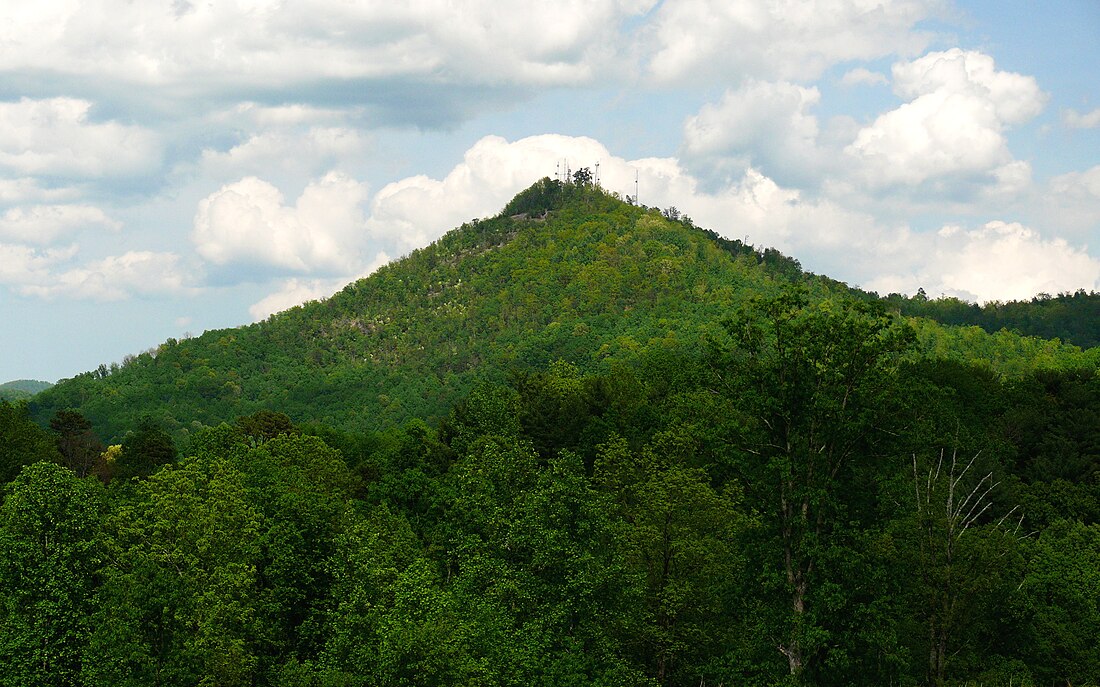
pixel 635 187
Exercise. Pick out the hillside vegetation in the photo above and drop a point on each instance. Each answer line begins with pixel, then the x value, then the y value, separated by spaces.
pixel 564 272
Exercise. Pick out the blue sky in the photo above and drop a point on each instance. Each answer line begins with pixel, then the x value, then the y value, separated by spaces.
pixel 167 168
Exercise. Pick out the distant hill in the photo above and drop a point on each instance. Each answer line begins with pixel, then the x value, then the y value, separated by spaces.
pixel 1071 317
pixel 563 272
pixel 21 389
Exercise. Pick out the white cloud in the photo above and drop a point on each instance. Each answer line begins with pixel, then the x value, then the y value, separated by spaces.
pixel 953 126
pixel 55 137
pixel 1075 120
pixel 20 265
pixel 704 39
pixel 291 114
pixel 141 273
pixel 861 76
pixel 248 223
pixel 1014 98
pixel 998 261
pixel 1078 184
pixel 1072 201
pixel 44 224
pixel 260 44
pixel 761 124
pixel 29 190
pixel 296 291
pixel 287 149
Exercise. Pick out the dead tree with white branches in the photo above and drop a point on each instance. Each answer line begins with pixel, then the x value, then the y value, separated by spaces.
pixel 951 503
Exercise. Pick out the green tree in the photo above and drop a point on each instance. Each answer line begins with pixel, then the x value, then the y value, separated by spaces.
pixel 177 602
pixel 817 381
pixel 299 488
pixel 50 550
pixel 80 449
pixel 1061 602
pixel 265 424
pixel 22 442
pixel 144 449
pixel 391 623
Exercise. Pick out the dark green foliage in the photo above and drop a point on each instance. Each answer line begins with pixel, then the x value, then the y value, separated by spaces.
pixel 145 449
pixel 265 424
pixel 819 384
pixel 22 442
pixel 81 451
pixel 618 527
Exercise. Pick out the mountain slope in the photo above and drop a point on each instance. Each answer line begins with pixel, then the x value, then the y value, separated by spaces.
pixel 564 272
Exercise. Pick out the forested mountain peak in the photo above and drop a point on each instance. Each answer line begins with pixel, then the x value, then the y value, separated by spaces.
pixel 581 442
pixel 565 272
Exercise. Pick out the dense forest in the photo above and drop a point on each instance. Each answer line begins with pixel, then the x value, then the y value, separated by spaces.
pixel 580 443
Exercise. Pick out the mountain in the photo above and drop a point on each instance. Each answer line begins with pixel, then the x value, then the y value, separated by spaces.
pixel 677 483
pixel 564 272
pixel 21 389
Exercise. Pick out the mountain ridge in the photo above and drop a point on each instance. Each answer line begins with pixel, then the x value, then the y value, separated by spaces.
pixel 564 271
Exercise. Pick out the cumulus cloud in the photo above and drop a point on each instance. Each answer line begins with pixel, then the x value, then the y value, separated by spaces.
pixel 951 128
pixel 255 45
pixel 998 261
pixel 287 148
pixel 55 137
pixel 44 224
pixel 29 190
pixel 704 39
pixel 1014 98
pixel 249 223
pixel 1085 185
pixel 22 265
pixel 761 124
pixel 141 273
pixel 1075 120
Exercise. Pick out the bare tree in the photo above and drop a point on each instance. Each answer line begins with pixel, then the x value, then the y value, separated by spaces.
pixel 950 504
